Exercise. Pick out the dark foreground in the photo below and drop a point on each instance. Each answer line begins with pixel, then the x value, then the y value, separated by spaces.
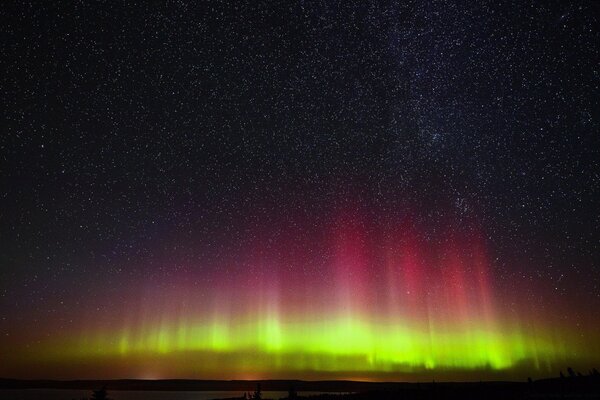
pixel 574 387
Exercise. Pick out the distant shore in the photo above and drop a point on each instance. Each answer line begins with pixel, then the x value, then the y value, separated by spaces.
pixel 341 386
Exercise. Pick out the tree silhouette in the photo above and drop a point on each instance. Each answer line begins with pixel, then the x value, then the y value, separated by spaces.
pixel 100 394
pixel 257 393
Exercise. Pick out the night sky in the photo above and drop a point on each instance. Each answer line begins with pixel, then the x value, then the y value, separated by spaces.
pixel 333 189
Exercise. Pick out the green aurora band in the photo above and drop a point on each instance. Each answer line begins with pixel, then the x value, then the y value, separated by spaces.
pixel 400 308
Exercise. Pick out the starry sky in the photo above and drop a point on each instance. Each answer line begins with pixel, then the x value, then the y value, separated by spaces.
pixel 302 189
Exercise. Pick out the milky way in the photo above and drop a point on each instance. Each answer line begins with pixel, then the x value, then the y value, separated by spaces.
pixel 300 190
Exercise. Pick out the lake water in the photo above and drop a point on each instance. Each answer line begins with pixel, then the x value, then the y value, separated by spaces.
pixel 62 394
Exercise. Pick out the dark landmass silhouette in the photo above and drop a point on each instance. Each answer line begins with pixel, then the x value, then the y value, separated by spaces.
pixel 572 386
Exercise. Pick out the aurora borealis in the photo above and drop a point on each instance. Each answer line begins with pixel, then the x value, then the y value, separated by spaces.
pixel 300 191
pixel 385 301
